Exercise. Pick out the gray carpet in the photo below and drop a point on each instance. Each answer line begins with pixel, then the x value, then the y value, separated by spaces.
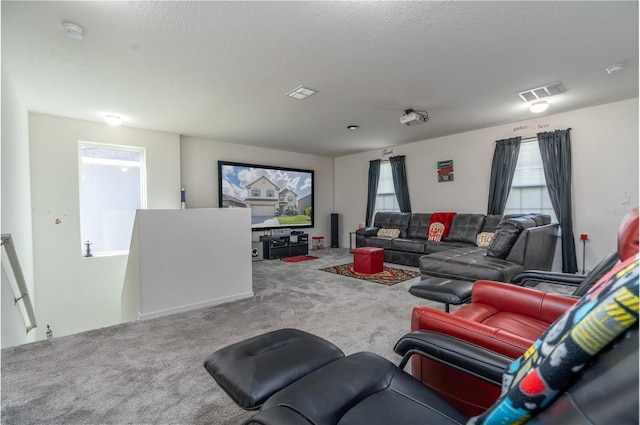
pixel 151 372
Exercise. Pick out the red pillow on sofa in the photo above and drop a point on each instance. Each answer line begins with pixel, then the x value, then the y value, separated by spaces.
pixel 444 218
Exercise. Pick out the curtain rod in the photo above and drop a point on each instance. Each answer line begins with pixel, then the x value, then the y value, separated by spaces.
pixel 529 137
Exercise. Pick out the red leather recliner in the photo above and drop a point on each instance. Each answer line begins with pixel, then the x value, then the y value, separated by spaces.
pixel 502 317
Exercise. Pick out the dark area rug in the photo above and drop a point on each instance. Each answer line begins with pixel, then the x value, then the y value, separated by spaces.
pixel 389 276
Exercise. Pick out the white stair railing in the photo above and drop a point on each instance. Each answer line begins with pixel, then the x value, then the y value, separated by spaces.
pixel 7 243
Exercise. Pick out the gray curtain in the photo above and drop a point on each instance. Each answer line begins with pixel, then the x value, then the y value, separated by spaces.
pixel 555 150
pixel 399 174
pixel 503 166
pixel 374 176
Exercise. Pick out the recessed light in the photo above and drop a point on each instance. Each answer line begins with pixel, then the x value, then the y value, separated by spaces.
pixel 301 93
pixel 73 30
pixel 353 127
pixel 539 106
pixel 113 120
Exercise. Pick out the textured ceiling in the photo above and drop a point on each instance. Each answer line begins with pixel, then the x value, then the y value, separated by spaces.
pixel 220 70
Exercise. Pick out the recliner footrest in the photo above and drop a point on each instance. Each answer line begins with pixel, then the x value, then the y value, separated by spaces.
pixel 444 290
pixel 250 371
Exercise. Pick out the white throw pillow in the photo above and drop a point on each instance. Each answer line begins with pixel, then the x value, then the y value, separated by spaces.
pixel 484 239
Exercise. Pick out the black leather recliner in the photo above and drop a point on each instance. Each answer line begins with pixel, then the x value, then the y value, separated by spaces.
pixel 366 389
pixel 297 378
pixel 627 247
pixel 581 283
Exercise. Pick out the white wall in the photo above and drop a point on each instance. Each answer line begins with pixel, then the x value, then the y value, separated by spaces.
pixel 199 167
pixel 16 207
pixel 187 259
pixel 604 143
pixel 76 293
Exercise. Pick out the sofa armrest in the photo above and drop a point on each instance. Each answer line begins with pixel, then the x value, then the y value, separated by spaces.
pixel 368 231
pixel 494 339
pixel 548 277
pixel 453 352
pixel 518 299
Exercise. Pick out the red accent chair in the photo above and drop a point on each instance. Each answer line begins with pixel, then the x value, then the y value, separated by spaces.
pixel 502 317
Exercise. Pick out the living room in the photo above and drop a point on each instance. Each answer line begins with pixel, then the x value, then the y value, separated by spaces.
pixel 605 168
pixel 40 164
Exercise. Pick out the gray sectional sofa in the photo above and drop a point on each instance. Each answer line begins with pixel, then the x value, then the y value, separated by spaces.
pixel 520 242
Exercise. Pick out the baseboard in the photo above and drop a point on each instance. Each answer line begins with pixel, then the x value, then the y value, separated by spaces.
pixel 195 306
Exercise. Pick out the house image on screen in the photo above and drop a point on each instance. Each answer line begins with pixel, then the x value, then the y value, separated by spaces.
pixel 304 203
pixel 229 201
pixel 288 202
pixel 262 197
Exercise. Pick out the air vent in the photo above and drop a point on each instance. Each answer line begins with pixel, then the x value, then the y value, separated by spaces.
pixel 541 92
pixel 301 93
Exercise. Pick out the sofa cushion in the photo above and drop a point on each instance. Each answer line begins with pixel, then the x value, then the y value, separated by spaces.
pixel 388 233
pixel 540 219
pixel 468 264
pixel 465 227
pixel 419 225
pixel 377 242
pixel 393 220
pixel 408 245
pixel 444 218
pixel 506 234
pixel 491 222
pixel 431 247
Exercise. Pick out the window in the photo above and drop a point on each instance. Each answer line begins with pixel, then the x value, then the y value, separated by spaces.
pixel 529 188
pixel 112 188
pixel 386 198
pixel 255 193
pixel 270 193
pixel 290 198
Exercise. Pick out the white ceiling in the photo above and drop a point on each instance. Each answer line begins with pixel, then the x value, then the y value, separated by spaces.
pixel 220 70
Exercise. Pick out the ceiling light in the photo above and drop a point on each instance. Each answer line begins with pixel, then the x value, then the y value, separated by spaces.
pixel 615 68
pixel 73 30
pixel 113 120
pixel 353 127
pixel 301 93
pixel 539 106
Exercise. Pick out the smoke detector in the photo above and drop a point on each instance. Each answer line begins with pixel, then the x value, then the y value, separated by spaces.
pixel 411 117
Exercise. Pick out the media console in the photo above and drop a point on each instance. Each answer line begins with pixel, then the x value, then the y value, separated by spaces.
pixel 274 247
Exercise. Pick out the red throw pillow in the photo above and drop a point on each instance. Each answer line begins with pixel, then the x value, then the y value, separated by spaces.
pixel 444 218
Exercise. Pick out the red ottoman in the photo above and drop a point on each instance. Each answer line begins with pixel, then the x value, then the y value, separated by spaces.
pixel 368 260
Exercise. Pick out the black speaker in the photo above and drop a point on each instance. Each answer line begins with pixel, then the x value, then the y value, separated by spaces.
pixel 334 231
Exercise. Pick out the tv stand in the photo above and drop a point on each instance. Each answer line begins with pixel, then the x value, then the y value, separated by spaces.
pixel 274 247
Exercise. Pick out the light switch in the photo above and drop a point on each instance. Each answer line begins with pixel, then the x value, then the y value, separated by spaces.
pixel 625 199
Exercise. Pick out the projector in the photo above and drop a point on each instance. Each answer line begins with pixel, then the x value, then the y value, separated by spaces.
pixel 412 117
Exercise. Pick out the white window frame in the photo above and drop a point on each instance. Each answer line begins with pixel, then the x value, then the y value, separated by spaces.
pixel 519 188
pixel 143 188
pixel 386 191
